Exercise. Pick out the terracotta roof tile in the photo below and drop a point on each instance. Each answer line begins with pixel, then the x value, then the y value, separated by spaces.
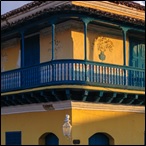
pixel 37 3
pixel 78 9
pixel 130 4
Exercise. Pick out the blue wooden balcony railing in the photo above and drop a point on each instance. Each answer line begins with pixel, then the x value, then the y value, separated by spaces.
pixel 79 72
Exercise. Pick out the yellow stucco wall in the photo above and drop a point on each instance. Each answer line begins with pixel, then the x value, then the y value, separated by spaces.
pixel 34 125
pixel 45 45
pixel 113 55
pixel 10 55
pixel 69 44
pixel 124 127
pixel 63 44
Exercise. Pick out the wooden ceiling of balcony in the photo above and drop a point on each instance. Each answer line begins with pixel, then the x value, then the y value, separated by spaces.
pixel 94 96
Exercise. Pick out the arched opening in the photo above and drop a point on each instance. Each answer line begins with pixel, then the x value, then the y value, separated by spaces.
pixel 101 139
pixel 48 139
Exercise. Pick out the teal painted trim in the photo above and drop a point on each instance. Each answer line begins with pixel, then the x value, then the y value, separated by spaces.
pixel 68 94
pixel 53 41
pixel 124 53
pixel 23 78
pixel 135 29
pixel 124 47
pixel 124 32
pixel 85 95
pixel 52 21
pixel 85 41
pixel 22 48
pixel 85 20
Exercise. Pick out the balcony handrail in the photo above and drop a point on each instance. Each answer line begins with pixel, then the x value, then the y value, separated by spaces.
pixel 77 60
pixel 70 71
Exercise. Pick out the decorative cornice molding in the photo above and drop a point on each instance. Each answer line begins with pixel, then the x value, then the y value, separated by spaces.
pixel 113 7
pixel 107 107
pixel 61 105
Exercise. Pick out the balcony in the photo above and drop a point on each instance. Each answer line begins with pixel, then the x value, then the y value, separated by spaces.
pixel 73 72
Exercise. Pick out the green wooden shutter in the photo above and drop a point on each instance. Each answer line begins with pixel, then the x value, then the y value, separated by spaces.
pixel 137 54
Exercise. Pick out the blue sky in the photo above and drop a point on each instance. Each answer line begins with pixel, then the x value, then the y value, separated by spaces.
pixel 7 6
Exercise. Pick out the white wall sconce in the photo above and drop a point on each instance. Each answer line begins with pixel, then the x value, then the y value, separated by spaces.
pixel 67 127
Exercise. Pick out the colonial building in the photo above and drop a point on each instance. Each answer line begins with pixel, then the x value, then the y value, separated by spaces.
pixel 85 59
